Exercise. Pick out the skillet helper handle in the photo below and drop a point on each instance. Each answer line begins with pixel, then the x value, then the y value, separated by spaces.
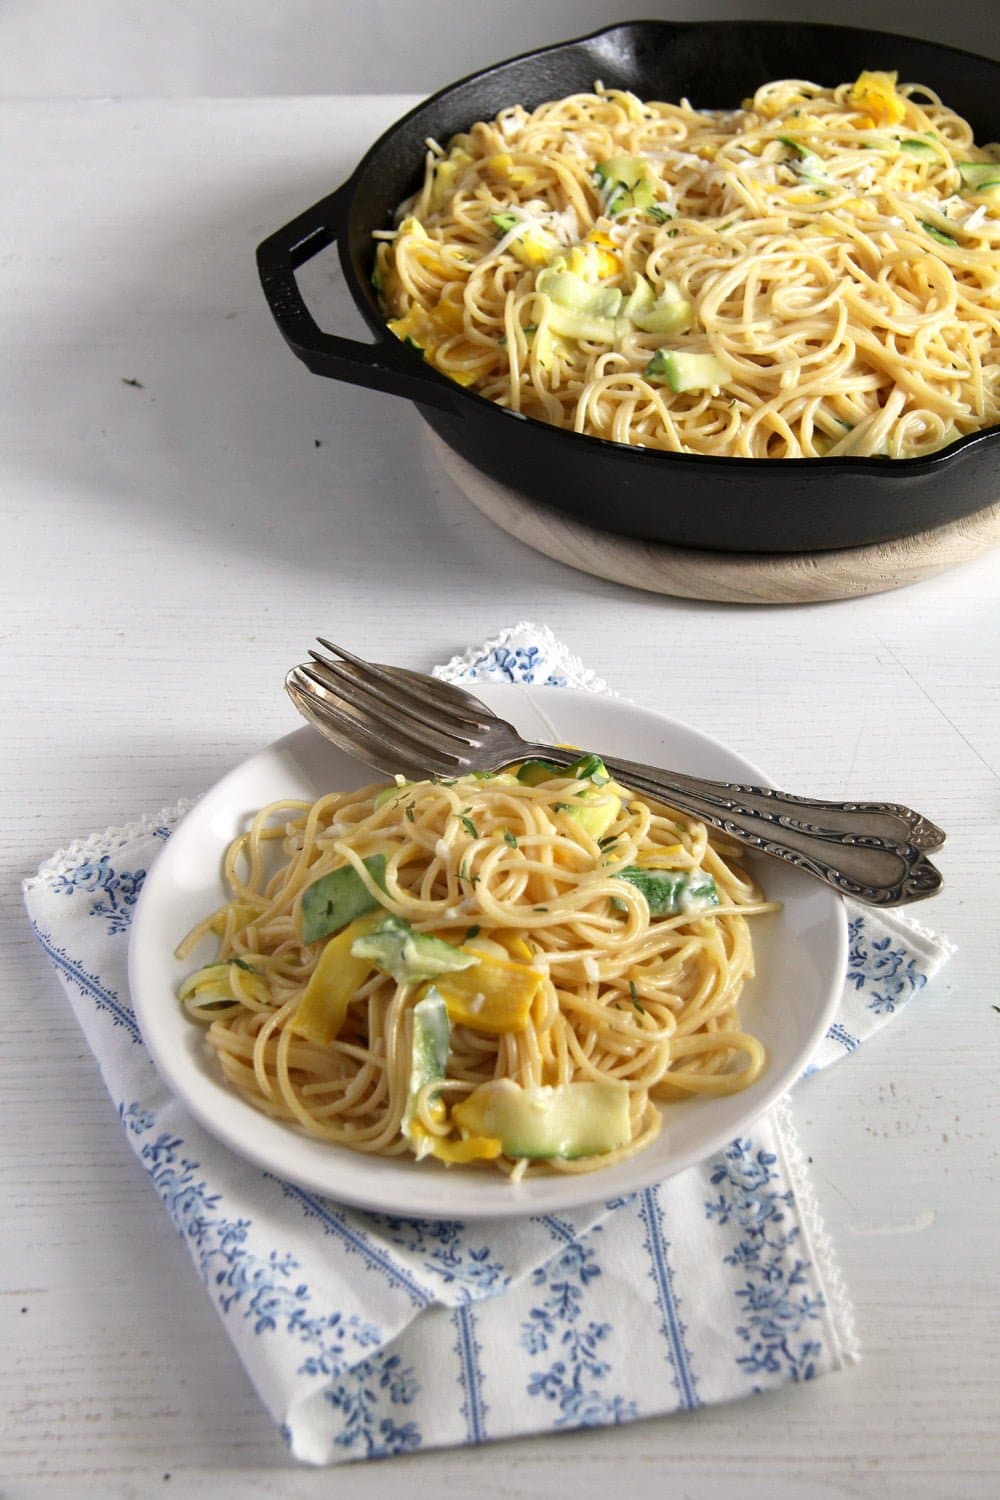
pixel 871 851
pixel 385 366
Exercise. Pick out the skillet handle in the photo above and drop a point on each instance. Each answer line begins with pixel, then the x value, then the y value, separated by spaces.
pixel 387 366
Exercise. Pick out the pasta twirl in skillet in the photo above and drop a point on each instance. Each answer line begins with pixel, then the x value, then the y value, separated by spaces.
pixel 507 970
pixel 815 273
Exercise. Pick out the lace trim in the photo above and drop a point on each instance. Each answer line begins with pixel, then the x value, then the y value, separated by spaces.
pixel 525 632
pixel 842 1319
pixel 942 946
pixel 64 861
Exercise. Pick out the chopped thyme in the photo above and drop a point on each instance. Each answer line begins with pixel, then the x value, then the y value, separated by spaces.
pixel 241 963
pixel 509 838
pixel 657 214
pixel 410 816
pixel 469 826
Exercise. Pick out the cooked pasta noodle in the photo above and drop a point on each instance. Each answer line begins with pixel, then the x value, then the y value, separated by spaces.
pixel 604 942
pixel 830 257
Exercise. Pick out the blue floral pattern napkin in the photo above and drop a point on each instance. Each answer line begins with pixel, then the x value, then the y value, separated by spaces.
pixel 368 1335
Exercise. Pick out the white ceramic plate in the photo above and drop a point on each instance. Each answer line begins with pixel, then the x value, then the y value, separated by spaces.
pixel 801 961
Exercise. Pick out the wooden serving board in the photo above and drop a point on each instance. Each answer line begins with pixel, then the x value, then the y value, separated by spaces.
pixel 726 577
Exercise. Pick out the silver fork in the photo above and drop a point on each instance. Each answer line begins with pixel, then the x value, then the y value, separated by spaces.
pixel 404 722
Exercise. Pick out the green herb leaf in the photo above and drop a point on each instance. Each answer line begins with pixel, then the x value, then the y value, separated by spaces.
pixel 472 932
pixel 469 826
pixel 657 214
pixel 509 838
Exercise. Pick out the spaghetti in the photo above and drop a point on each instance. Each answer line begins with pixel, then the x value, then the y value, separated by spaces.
pixel 814 274
pixel 512 969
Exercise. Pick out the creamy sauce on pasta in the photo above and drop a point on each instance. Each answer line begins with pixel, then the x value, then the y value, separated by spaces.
pixel 565 956
pixel 815 273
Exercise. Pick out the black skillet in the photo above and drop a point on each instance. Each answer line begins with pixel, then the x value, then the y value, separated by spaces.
pixel 728 504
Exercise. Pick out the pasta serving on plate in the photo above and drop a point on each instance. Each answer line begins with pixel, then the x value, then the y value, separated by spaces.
pixel 815 273
pixel 509 970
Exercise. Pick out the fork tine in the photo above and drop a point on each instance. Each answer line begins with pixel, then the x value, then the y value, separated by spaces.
pixel 412 687
pixel 343 679
pixel 396 709
pixel 446 694
pixel 388 723
pixel 390 755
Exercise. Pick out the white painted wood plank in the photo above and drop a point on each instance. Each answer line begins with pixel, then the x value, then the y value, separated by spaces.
pixel 170 551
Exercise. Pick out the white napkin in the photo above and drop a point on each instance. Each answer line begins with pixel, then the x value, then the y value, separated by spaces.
pixel 367 1335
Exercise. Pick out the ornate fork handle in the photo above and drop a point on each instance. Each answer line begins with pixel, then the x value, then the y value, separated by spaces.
pixel 873 851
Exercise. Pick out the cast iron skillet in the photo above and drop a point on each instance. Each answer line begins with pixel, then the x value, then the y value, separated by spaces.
pixel 727 504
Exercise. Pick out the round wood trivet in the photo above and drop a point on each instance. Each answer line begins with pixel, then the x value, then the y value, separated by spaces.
pixel 726 577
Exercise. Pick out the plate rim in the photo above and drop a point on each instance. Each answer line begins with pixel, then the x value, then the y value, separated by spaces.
pixel 555 1193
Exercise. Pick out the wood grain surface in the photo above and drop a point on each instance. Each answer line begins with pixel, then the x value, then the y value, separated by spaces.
pixel 729 578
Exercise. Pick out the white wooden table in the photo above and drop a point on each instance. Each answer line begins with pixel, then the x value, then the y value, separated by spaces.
pixel 185 507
